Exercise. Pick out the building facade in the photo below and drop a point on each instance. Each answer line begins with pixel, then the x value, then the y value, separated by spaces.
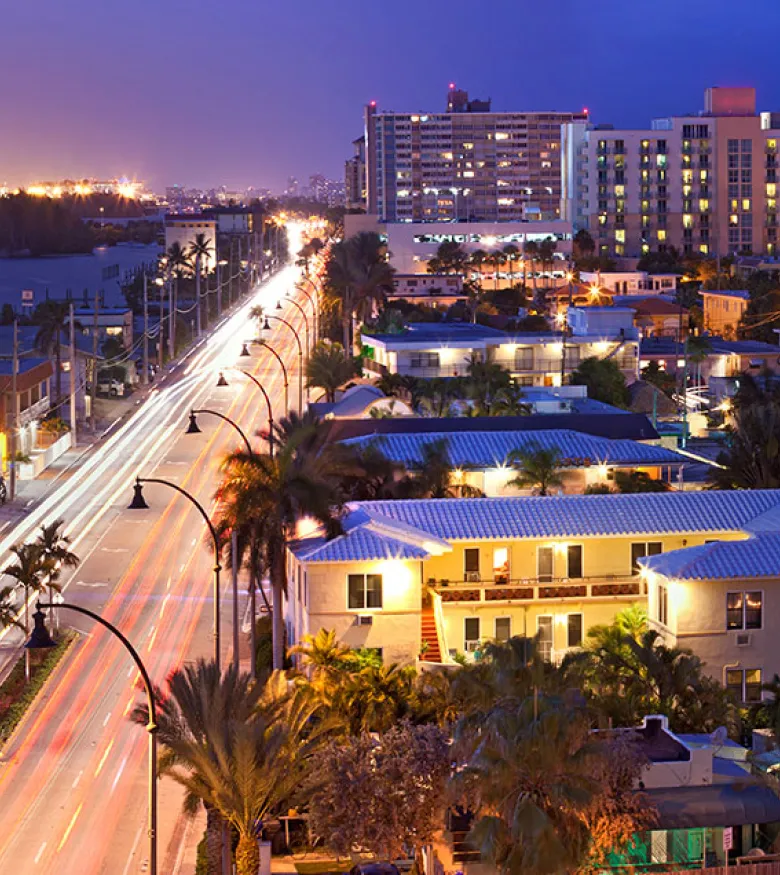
pixel 704 184
pixel 184 228
pixel 723 310
pixel 465 163
pixel 355 176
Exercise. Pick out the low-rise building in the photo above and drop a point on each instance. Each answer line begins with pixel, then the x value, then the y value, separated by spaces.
pixel 444 349
pixel 111 322
pixel 481 459
pixel 183 228
pixel 718 598
pixel 437 577
pixel 25 409
pixel 428 288
pixel 723 309
pixel 724 358
pixel 632 282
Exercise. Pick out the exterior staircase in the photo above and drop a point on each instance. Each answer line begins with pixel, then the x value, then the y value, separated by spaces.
pixel 429 636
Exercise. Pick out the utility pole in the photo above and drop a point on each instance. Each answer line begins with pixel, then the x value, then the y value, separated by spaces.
pixel 13 430
pixel 161 333
pixel 72 338
pixel 145 377
pixel 171 319
pixel 219 288
pixel 93 387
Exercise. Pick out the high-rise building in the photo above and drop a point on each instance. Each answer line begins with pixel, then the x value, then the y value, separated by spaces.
pixel 467 163
pixel 355 176
pixel 704 183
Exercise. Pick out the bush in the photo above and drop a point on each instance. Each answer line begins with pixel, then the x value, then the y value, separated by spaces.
pixel 16 696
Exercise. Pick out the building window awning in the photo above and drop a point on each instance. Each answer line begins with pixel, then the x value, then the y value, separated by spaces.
pixel 714 805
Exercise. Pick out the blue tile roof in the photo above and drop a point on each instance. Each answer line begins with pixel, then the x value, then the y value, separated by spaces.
pixel 579 515
pixel 439 332
pixel 755 557
pixel 489 449
pixel 359 545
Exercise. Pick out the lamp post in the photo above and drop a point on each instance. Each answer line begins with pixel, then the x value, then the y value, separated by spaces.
pixel 300 309
pixel 267 327
pixel 264 343
pixel 223 382
pixel 40 639
pixel 194 428
pixel 138 503
pixel 313 303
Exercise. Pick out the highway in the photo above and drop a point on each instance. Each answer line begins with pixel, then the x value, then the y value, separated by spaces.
pixel 73 779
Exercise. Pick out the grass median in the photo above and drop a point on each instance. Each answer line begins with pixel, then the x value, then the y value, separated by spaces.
pixel 16 696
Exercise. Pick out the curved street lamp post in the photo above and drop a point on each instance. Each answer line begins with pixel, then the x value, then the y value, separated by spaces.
pixel 264 343
pixel 194 428
pixel 223 382
pixel 312 301
pixel 267 327
pixel 139 503
pixel 40 639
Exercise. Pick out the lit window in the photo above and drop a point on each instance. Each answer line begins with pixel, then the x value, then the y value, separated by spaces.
pixel 744 684
pixel 501 565
pixel 468 174
pixel 687 176
pixel 704 248
pixel 620 191
pixel 364 591
pixel 502 135
pixel 703 175
pixel 645 248
pixel 771 189
pixel 468 145
pixel 744 610
pixel 602 219
pixel 687 221
pixel 620 236
pixel 734 219
pixel 660 160
pixel 645 206
pixel 746 205
pixel 704 205
pixel 661 235
pixel 687 189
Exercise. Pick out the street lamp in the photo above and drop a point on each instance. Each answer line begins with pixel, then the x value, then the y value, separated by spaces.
pixel 139 503
pixel 40 639
pixel 267 327
pixel 223 382
pixel 194 428
pixel 313 303
pixel 300 309
pixel 266 345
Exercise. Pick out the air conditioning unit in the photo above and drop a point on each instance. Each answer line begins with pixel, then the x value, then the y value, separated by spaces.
pixel 364 620
pixel 743 639
pixel 473 576
pixel 471 646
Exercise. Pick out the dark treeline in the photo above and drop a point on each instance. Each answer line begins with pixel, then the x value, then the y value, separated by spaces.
pixel 33 226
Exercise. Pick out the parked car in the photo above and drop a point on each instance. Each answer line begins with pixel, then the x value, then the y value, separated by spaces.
pixel 109 386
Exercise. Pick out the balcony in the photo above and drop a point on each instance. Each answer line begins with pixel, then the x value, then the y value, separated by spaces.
pixel 539 589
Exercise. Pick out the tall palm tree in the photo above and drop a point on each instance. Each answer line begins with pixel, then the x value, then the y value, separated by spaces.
pixel 435 479
pixel 200 249
pixel 29 570
pixel 329 368
pixel 52 319
pixel 357 276
pixel 511 252
pixel 277 492
pixel 752 458
pixel 476 261
pixel 538 468
pixel 178 264
pixel 54 549
pixel 532 253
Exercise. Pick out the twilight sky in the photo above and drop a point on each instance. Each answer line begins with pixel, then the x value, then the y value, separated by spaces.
pixel 248 92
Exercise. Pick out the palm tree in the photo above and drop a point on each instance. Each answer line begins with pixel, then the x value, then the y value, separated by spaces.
pixel 435 478
pixel 29 571
pixel 8 608
pixel 357 275
pixel 496 260
pixel 532 253
pixel 178 265
pixel 301 480
pixel 329 367
pixel 52 320
pixel 372 699
pixel 322 652
pixel 55 552
pixel 546 252
pixel 752 459
pixel 200 249
pixel 476 260
pixel 510 253
pixel 538 468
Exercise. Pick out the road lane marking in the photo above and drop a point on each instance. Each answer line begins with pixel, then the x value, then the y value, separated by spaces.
pixel 76 782
pixel 40 852
pixel 119 773
pixel 104 757
pixel 107 718
pixel 70 827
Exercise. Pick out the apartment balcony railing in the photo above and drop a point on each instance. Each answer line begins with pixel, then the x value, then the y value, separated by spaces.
pixel 539 589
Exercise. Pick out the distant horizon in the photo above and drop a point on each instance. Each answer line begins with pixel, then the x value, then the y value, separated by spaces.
pixel 251 95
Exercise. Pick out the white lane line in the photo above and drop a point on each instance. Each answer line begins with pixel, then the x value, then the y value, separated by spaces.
pixel 119 773
pixel 40 852
pixel 76 782
pixel 130 670
pixel 107 718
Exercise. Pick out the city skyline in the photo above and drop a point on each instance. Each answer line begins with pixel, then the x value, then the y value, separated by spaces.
pixel 141 107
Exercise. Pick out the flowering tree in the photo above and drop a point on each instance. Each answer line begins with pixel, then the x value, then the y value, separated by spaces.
pixel 384 794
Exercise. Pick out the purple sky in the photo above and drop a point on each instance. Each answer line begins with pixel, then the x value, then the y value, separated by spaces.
pixel 242 92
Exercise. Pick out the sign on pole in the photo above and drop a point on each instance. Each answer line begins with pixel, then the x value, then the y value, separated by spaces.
pixel 28 299
pixel 728 838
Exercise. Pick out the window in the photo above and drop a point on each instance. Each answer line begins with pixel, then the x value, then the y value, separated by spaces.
pixel 524 358
pixel 501 565
pixel 503 628
pixel 544 568
pixel 424 360
pixel 544 631
pixel 744 610
pixel 471 633
pixel 651 548
pixel 574 630
pixel 574 557
pixel 663 604
pixel 744 684
pixel 471 563
pixel 364 591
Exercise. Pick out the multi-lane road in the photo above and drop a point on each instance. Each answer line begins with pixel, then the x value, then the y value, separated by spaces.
pixel 73 779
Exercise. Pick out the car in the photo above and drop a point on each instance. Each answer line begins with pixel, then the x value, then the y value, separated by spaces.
pixel 109 386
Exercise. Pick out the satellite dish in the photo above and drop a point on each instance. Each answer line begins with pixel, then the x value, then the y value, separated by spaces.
pixel 719 736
